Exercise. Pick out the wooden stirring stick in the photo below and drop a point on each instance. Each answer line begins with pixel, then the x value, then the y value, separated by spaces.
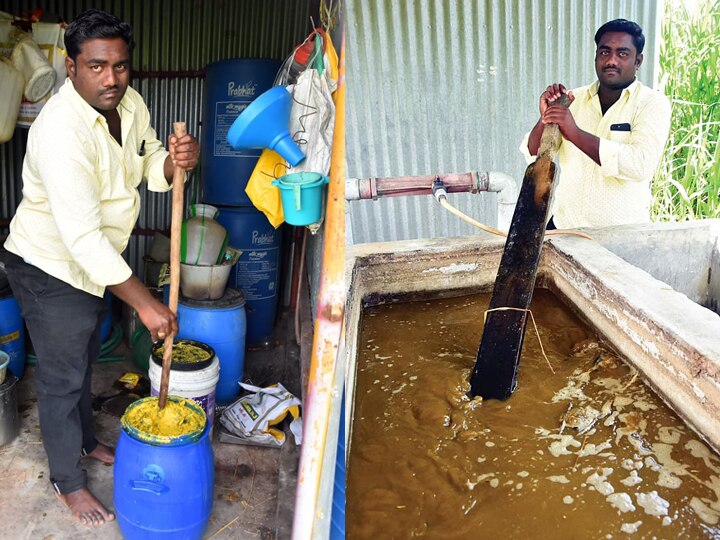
pixel 175 232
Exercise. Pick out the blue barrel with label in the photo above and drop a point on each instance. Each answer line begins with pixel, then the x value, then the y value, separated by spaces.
pixel 230 86
pixel 12 331
pixel 221 324
pixel 256 272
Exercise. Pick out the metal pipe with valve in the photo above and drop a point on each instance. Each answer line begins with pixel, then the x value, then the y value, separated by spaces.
pixel 470 182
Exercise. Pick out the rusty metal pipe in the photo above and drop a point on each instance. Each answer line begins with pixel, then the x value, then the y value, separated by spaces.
pixel 469 182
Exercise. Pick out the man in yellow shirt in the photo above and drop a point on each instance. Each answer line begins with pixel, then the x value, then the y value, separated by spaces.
pixel 87 152
pixel 614 133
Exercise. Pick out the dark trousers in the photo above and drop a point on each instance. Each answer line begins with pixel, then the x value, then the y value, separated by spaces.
pixel 64 326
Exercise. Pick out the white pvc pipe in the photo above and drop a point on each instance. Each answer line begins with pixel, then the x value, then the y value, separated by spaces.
pixel 506 188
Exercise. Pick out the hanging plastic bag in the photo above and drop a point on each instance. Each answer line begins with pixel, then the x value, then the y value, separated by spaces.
pixel 264 196
pixel 312 120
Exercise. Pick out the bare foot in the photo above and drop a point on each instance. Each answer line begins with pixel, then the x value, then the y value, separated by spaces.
pixel 103 453
pixel 86 508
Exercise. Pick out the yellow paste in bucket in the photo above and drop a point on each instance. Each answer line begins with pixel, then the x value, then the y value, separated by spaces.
pixel 185 353
pixel 176 419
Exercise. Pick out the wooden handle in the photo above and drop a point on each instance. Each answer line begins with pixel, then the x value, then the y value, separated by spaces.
pixel 175 232
pixel 551 137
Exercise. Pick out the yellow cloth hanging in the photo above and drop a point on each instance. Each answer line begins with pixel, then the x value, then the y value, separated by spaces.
pixel 265 197
pixel 334 65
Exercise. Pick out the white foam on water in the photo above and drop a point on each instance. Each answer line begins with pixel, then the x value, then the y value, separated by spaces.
pixel 699 450
pixel 560 479
pixel 704 512
pixel 560 446
pixel 594 449
pixel 569 393
pixel 630 528
pixel 600 483
pixel 632 479
pixel 668 480
pixel 652 503
pixel 669 435
pixel 621 501
pixel 567 499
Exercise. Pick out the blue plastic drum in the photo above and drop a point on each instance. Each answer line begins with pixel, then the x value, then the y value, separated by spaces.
pixel 222 324
pixel 163 492
pixel 12 333
pixel 256 272
pixel 230 86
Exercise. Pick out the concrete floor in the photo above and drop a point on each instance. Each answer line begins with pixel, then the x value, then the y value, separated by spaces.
pixel 254 486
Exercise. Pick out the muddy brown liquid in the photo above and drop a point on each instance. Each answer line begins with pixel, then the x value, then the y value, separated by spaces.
pixel 588 452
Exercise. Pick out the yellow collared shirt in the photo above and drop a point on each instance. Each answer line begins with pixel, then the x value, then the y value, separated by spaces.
pixel 80 197
pixel 618 191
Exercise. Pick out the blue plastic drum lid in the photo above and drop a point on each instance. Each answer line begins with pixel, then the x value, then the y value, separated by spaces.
pixel 222 324
pixel 230 86
pixel 155 497
pixel 256 272
pixel 12 332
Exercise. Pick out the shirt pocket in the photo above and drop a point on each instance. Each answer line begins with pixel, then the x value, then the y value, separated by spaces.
pixel 134 166
pixel 621 137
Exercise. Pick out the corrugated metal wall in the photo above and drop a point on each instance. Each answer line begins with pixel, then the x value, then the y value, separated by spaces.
pixel 440 86
pixel 178 35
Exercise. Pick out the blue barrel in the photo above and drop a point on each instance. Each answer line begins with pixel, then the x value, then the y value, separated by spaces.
pixel 256 272
pixel 12 333
pixel 230 86
pixel 106 325
pixel 163 492
pixel 222 325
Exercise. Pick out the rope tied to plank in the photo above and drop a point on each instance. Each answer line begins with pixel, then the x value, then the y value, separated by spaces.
pixel 537 333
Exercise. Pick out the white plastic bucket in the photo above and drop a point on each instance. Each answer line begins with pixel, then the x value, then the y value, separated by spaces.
pixel 196 385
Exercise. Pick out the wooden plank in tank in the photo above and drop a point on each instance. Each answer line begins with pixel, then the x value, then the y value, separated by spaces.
pixel 498 358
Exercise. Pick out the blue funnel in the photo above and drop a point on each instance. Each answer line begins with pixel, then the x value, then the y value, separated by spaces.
pixel 264 124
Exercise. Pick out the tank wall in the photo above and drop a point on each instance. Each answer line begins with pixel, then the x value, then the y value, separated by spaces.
pixel 686 255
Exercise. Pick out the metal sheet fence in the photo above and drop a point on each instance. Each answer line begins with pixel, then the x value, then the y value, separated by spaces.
pixel 443 86
pixel 171 37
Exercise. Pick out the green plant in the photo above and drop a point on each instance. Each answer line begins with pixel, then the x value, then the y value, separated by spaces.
pixel 687 183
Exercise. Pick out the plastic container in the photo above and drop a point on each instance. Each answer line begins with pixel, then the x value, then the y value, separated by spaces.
pixel 12 333
pixel 11 90
pixel 302 196
pixel 222 325
pixel 9 418
pixel 4 361
pixel 163 492
pixel 33 64
pixel 256 272
pixel 230 86
pixel 204 282
pixel 203 239
pixel 197 383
